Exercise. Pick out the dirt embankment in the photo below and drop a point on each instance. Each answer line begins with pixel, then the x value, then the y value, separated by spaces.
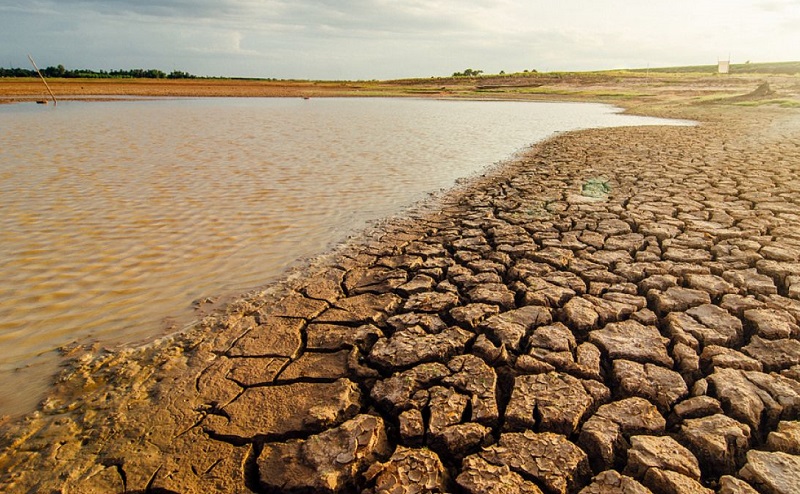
pixel 624 87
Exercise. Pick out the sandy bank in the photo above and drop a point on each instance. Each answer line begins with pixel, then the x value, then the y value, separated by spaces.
pixel 619 307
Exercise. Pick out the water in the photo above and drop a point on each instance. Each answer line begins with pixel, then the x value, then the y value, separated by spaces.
pixel 117 215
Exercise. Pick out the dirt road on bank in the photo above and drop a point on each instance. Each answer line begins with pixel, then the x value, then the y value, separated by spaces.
pixel 617 311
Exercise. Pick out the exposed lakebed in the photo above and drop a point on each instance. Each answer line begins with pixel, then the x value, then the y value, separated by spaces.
pixel 117 215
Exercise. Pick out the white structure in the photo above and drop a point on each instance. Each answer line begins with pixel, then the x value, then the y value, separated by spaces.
pixel 723 66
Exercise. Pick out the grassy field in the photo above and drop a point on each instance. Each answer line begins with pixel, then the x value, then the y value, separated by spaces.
pixel 786 68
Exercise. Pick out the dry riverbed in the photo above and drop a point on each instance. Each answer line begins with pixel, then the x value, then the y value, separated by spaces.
pixel 618 311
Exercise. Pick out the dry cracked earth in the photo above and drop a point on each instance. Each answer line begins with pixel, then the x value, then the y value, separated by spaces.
pixel 616 312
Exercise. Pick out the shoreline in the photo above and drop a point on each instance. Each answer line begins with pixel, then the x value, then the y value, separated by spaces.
pixel 154 416
pixel 628 89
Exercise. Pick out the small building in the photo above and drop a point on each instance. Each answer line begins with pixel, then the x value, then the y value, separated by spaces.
pixel 724 66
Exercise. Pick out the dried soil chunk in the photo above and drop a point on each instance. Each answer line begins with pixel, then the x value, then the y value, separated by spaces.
pixel 471 315
pixel 395 393
pixel 568 280
pixel 553 402
pixel 446 408
pixel 630 242
pixel 742 399
pixel 326 285
pixel 481 477
pixel 360 309
pixel 317 366
pixel 698 406
pixel 781 396
pixel 657 384
pixel 539 292
pixel 732 485
pixel 772 472
pixel 409 471
pixel 714 357
pixel 588 357
pixel 790 305
pixel 751 281
pixel 373 280
pixel 725 329
pixel 471 375
pixel 553 337
pixel 431 323
pixel 611 482
pixel 255 371
pixel 297 306
pixel 328 462
pixel 694 256
pixel 669 482
pixel 713 285
pixel 510 328
pixel 604 435
pixel 489 352
pixel 430 302
pixel 556 257
pixel 412 427
pixel 677 299
pixel 613 227
pixel 658 282
pixel 663 453
pixel 687 362
pixel 717 441
pixel 494 294
pixel 414 346
pixel 775 355
pixel 738 304
pixel 772 324
pixel 633 341
pixel 275 410
pixel 274 337
pixel 418 284
pixel 560 466
pixel 334 337
pixel 580 314
pixel 458 440
pixel 786 438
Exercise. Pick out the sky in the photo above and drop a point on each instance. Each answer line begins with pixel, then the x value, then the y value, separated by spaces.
pixel 389 39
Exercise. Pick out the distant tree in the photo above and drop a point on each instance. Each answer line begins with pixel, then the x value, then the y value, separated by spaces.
pixel 468 73
pixel 61 71
pixel 502 72
pixel 177 74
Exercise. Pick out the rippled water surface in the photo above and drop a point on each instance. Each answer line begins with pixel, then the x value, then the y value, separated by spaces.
pixel 116 215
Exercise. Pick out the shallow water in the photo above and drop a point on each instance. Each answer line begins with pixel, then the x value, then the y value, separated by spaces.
pixel 117 215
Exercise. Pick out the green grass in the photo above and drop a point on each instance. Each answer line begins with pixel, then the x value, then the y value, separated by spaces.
pixel 783 103
pixel 788 68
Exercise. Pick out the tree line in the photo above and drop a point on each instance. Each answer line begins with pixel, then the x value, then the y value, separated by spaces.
pixel 61 71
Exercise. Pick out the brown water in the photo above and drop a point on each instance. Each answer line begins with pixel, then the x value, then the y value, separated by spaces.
pixel 117 215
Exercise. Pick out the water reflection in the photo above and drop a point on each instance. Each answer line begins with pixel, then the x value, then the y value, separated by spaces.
pixel 117 215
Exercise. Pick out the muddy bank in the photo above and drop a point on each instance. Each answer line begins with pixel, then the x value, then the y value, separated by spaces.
pixel 617 311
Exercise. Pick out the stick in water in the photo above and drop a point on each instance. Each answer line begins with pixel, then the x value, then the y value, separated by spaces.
pixel 45 82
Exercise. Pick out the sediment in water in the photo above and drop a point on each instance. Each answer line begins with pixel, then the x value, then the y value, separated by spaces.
pixel 523 336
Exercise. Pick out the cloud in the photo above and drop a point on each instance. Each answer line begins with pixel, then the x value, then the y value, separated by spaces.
pixel 779 5
pixel 392 38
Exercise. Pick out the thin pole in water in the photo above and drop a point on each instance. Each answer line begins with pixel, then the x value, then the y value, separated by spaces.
pixel 45 82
